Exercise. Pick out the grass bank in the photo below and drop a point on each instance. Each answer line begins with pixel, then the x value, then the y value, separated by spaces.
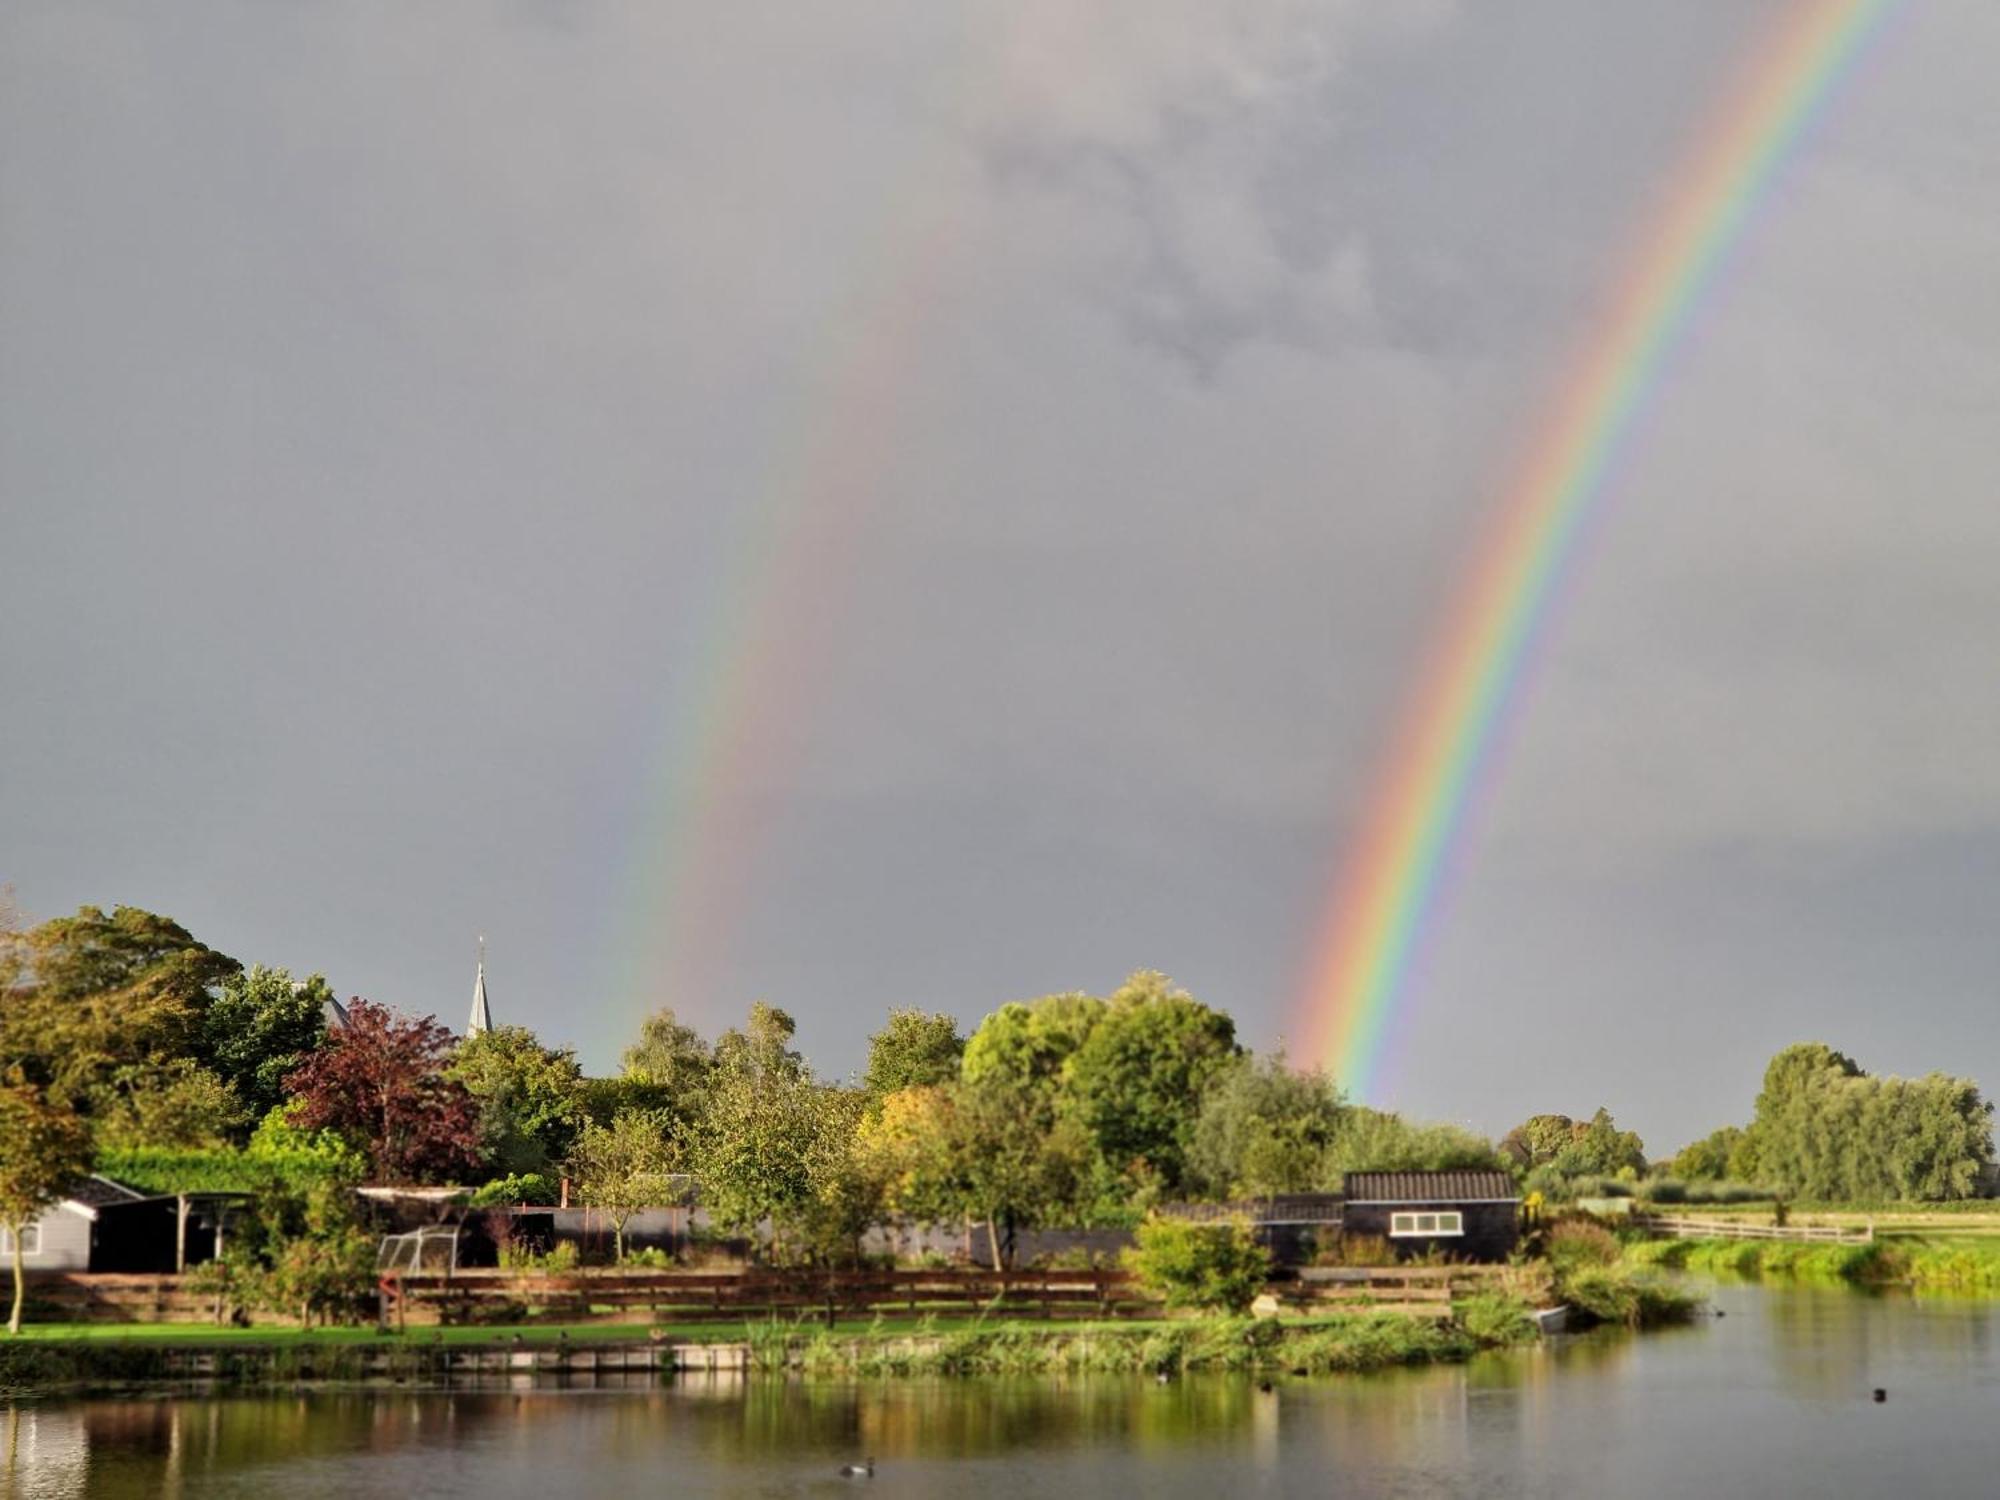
pixel 1927 1263
pixel 87 1357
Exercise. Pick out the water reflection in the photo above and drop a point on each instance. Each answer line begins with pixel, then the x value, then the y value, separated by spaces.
pixel 1777 1388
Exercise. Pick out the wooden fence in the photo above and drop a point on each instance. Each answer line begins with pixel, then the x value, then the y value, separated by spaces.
pixel 1738 1229
pixel 668 1296
pixel 690 1296
pixel 107 1297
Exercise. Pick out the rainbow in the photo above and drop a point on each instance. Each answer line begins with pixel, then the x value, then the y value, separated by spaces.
pixel 1360 967
pixel 733 726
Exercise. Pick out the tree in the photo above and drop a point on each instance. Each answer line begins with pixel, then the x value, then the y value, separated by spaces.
pixel 669 1060
pixel 1215 1266
pixel 168 1102
pixel 382 1083
pixel 91 1004
pixel 1538 1140
pixel 1029 1043
pixel 905 1144
pixel 260 1027
pixel 750 1149
pixel 1008 1166
pixel 913 1050
pixel 845 1195
pixel 1264 1128
pixel 1575 1148
pixel 622 1167
pixel 1372 1140
pixel 45 1147
pixel 1137 1080
pixel 1828 1131
pixel 762 1049
pixel 530 1098
pixel 1713 1158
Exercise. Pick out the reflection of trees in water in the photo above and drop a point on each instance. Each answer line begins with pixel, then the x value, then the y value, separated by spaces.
pixel 946 1417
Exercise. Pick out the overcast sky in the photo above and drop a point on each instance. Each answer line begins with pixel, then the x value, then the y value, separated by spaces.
pixel 930 504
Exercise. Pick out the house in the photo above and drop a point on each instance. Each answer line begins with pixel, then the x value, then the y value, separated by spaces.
pixel 103 1225
pixel 1474 1215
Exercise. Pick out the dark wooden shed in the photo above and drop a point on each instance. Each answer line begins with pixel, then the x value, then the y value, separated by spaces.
pixel 1474 1216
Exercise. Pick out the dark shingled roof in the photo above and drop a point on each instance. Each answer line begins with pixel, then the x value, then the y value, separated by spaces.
pixel 1430 1187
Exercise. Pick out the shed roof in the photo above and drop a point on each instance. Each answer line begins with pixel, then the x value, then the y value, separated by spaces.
pixel 1431 1187
pixel 101 1192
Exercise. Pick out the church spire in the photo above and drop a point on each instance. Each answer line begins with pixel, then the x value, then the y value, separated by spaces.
pixel 482 1018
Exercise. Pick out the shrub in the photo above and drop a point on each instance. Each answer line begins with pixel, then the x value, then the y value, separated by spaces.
pixel 1577 1242
pixel 1636 1298
pixel 1496 1319
pixel 1200 1265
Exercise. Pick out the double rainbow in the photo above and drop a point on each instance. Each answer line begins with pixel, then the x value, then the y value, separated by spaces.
pixel 1386 896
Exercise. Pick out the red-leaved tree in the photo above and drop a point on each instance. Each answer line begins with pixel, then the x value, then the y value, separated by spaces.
pixel 380 1082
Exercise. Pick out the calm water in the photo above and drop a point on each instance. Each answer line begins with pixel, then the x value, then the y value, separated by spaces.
pixel 1771 1399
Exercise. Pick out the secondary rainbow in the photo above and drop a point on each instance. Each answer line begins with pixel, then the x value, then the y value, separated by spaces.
pixel 1361 965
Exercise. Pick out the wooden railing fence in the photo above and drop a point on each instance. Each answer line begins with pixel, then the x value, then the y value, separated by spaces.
pixel 1680 1228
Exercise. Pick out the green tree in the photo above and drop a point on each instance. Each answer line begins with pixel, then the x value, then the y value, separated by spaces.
pixel 1372 1140
pixel 45 1147
pixel 1220 1267
pixel 761 1049
pixel 1713 1158
pixel 1136 1082
pixel 845 1195
pixel 1008 1166
pixel 1264 1128
pixel 1538 1140
pixel 1827 1131
pixel 751 1147
pixel 91 1005
pixel 913 1050
pixel 260 1026
pixel 670 1057
pixel 171 1102
pixel 1029 1043
pixel 622 1167
pixel 530 1098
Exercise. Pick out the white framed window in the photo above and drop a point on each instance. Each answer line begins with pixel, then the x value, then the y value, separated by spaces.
pixel 1444 1222
pixel 31 1240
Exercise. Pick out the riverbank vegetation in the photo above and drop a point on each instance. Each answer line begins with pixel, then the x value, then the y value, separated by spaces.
pixel 1942 1265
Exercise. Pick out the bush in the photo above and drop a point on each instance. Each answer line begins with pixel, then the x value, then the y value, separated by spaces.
pixel 1575 1242
pixel 1200 1265
pixel 1618 1294
pixel 1496 1319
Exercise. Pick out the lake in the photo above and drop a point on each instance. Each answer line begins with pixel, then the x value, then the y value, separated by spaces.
pixel 1774 1397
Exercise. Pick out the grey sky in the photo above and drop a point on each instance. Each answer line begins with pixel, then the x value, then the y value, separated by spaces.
pixel 384 389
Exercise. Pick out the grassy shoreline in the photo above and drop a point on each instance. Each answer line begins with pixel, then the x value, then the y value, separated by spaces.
pixel 1940 1263
pixel 77 1360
